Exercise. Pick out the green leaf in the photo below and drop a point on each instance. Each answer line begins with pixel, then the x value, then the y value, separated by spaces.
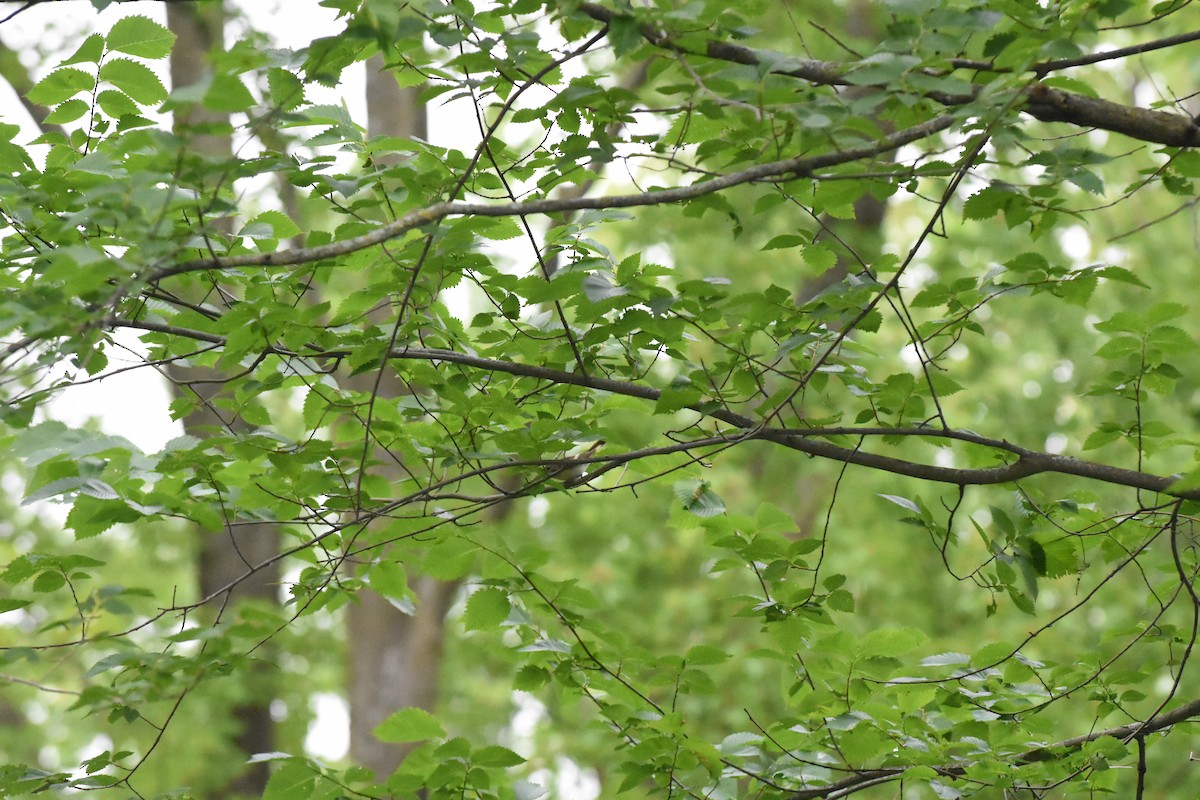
pixel 276 225
pixel 698 498
pixel 89 52
pixel 888 642
pixel 451 558
pixel 49 581
pixel 140 36
pixel 228 95
pixel 496 756
pixel 486 608
pixel 134 79
pixel 598 286
pixel 903 502
pixel 881 68
pixel 60 85
pixel 673 399
pixel 116 104
pixel 408 725
pixel 90 516
pixel 285 89
pixel 786 240
pixel 68 112
pixel 293 780
pixel 946 660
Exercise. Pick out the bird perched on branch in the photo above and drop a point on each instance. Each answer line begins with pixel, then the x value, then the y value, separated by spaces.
pixel 571 472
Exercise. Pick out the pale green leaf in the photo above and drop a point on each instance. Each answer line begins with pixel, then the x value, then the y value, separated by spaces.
pixel 140 36
pixel 409 725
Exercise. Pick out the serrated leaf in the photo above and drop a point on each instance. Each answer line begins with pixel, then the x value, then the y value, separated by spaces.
pixel 391 582
pixel 501 229
pixel 140 36
pixel 409 725
pixel 546 646
pixel 1121 274
pixel 597 286
pixel 986 203
pixel 784 241
pixel 90 516
pixel 285 89
pixel 111 661
pixel 49 581
pixel 68 112
pixel 530 678
pixel 496 756
pixel 486 608
pixel 945 660
pixel 60 85
pixel 98 489
pixel 672 399
pixel 698 498
pixel 89 52
pixel 278 223
pixel 134 79
pixel 450 559
pixel 292 780
pixel 228 95
pixel 887 642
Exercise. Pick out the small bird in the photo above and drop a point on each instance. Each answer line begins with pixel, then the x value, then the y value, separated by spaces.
pixel 572 472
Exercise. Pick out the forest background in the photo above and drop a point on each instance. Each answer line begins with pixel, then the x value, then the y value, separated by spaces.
pixel 716 400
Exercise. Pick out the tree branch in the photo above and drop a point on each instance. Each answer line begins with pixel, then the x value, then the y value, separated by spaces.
pixel 866 778
pixel 1055 105
pixel 813 442
pixel 773 170
pixel 1043 103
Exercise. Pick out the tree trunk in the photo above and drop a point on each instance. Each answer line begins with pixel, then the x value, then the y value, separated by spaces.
pixel 394 659
pixel 224 555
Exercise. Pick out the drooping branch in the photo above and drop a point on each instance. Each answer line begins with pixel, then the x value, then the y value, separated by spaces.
pixel 1043 103
pixel 814 442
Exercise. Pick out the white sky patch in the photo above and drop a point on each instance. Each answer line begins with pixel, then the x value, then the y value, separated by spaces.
pixel 132 403
pixel 910 357
pixel 1076 244
pixel 329 733
pixel 538 508
pixel 1063 371
pixel 568 781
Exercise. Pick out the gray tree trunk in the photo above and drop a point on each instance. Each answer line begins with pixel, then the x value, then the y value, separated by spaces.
pixel 224 555
pixel 393 659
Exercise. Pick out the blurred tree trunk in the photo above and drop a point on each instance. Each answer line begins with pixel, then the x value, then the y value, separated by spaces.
pixel 394 658
pixel 862 237
pixel 224 555
pixel 857 242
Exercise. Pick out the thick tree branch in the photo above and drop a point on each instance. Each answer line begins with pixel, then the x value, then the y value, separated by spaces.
pixel 813 442
pixel 1055 105
pixel 1044 103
